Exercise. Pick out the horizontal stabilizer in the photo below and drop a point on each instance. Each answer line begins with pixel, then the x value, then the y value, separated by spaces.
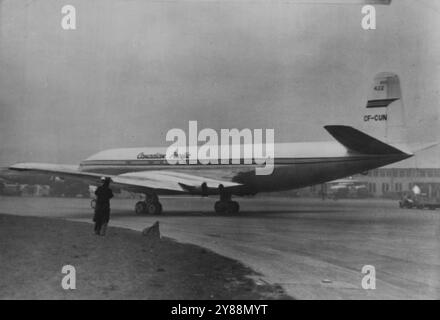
pixel 358 141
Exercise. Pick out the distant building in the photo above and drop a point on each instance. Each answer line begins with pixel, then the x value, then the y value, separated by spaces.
pixel 9 189
pixel 391 182
pixel 34 190
pixel 385 183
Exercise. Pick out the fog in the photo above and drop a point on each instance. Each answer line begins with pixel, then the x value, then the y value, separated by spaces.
pixel 134 69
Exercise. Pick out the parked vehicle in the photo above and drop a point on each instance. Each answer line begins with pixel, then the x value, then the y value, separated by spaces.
pixel 421 201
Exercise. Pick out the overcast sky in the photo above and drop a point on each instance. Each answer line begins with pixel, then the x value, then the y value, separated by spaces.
pixel 134 69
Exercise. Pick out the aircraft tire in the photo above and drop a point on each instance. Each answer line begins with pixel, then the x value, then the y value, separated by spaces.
pixel 220 207
pixel 154 208
pixel 227 207
pixel 234 207
pixel 140 207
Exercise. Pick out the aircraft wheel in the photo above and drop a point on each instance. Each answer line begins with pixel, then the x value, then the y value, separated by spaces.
pixel 154 208
pixel 226 207
pixel 220 207
pixel 234 207
pixel 140 207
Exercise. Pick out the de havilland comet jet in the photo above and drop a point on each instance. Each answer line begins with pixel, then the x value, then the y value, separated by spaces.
pixel 295 165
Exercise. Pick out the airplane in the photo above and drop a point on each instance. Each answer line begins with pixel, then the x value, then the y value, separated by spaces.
pixel 296 165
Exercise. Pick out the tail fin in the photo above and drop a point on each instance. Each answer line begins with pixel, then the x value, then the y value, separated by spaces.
pixel 384 115
pixel 385 129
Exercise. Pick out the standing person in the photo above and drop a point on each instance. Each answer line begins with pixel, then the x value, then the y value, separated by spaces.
pixel 102 208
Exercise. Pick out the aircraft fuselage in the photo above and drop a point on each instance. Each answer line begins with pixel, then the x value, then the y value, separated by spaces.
pixel 296 165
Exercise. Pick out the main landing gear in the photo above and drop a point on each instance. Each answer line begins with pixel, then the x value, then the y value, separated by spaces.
pixel 225 204
pixel 151 205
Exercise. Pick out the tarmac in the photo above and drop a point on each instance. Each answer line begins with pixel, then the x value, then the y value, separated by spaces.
pixel 315 249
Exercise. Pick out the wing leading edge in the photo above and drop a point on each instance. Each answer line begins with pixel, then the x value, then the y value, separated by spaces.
pixel 142 181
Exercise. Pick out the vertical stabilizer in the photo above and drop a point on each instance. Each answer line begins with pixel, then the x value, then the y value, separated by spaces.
pixel 384 114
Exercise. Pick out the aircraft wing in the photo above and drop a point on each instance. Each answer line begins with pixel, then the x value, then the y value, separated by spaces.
pixel 143 181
